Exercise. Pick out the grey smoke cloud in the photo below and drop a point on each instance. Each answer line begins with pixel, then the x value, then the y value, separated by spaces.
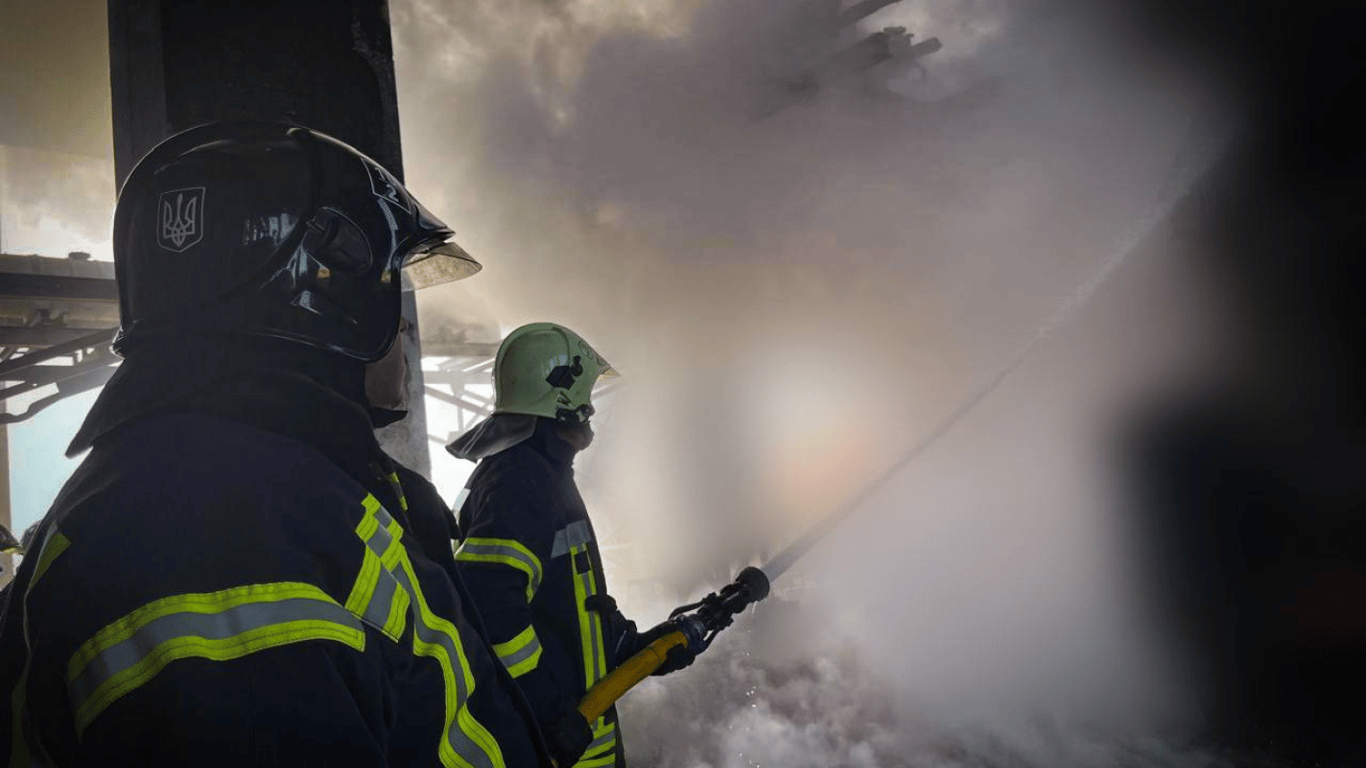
pixel 792 300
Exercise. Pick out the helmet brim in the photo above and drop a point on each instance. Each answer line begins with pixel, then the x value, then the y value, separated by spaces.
pixel 437 264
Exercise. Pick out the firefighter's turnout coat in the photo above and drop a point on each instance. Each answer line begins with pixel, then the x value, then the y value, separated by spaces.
pixel 241 582
pixel 531 562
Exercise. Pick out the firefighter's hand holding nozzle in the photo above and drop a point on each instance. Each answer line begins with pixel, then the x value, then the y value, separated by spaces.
pixel 678 656
pixel 690 629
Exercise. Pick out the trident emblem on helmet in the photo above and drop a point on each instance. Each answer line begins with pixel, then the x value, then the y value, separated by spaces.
pixel 181 218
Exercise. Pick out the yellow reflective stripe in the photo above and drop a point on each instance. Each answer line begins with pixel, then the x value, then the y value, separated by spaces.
pixel 522 653
pixel 590 628
pixel 595 622
pixel 603 740
pixel 398 490
pixel 376 596
pixel 57 543
pixel 466 743
pixel 585 629
pixel 597 762
pixel 507 552
pixel 218 626
pixel 53 545
pixel 441 641
pixel 364 588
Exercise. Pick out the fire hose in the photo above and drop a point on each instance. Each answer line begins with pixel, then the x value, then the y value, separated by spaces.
pixel 699 623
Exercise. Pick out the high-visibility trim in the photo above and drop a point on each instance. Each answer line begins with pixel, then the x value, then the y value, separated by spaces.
pixel 507 552
pixel 53 545
pixel 570 536
pixel 466 743
pixel 219 626
pixel 56 544
pixel 392 477
pixel 376 597
pixel 603 740
pixel 597 762
pixel 590 623
pixel 522 653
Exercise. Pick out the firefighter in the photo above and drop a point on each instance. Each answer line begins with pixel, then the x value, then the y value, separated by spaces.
pixel 529 554
pixel 236 574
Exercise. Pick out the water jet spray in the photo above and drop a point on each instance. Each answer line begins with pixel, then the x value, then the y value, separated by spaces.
pixel 699 623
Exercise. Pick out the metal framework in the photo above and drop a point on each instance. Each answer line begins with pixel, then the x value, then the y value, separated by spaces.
pixel 57 318
pixel 462 368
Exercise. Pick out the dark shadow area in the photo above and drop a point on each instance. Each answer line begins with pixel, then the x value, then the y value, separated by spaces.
pixel 1252 487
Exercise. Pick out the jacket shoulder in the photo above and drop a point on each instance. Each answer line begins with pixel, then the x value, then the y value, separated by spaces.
pixel 178 504
pixel 518 472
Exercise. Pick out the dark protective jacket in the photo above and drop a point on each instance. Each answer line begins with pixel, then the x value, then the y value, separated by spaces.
pixel 243 579
pixel 531 561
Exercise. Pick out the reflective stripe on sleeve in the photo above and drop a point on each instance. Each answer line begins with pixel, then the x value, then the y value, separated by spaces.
pixel 394 483
pixel 53 545
pixel 597 762
pixel 522 653
pixel 590 623
pixel 603 740
pixel 503 552
pixel 216 625
pixel 56 544
pixel 376 597
pixel 465 743
pixel 571 536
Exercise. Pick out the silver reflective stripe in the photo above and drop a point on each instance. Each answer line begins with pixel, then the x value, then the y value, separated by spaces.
pixel 570 536
pixel 379 540
pixel 469 751
pixel 594 631
pixel 474 547
pixel 381 602
pixel 521 654
pixel 209 626
pixel 601 741
pixel 386 587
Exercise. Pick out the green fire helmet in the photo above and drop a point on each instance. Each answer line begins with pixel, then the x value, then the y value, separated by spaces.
pixel 544 369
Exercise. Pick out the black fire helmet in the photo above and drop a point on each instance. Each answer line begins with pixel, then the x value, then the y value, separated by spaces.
pixel 270 229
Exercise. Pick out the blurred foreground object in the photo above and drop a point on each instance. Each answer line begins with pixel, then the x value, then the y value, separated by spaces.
pixel 1252 485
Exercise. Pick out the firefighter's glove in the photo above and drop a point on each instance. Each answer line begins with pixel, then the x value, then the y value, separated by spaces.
pixel 569 738
pixel 679 656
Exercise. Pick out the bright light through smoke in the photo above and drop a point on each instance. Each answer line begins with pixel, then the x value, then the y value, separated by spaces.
pixel 793 301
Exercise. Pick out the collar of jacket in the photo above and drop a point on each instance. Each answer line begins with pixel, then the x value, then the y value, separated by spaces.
pixel 286 389
pixel 546 441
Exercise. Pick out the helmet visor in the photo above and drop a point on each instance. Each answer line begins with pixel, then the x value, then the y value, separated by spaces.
pixel 438 263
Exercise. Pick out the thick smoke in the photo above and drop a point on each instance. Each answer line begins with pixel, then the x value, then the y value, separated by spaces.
pixel 794 295
pixel 56 159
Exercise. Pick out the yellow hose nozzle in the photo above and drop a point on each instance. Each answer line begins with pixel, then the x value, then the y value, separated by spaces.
pixel 606 691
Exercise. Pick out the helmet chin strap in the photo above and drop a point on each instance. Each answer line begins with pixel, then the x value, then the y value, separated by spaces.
pixel 579 415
